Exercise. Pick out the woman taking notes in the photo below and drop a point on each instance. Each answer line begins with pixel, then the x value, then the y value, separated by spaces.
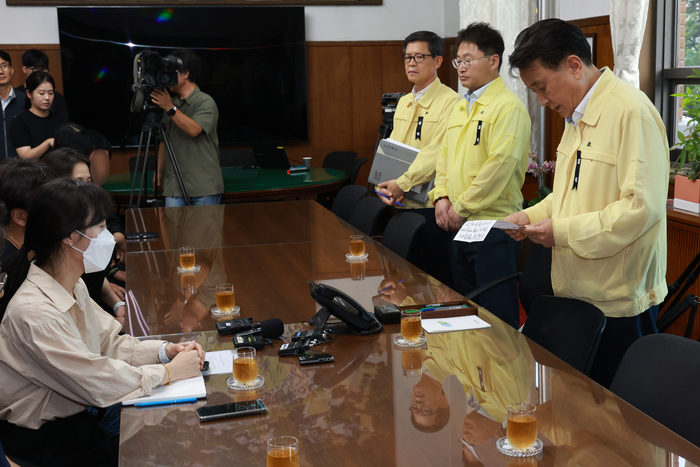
pixel 33 130
pixel 61 358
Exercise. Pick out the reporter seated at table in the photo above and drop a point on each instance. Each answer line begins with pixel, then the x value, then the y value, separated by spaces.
pixel 60 355
pixel 67 162
pixel 19 178
pixel 32 132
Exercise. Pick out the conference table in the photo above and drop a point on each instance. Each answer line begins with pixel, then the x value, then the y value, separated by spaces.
pixel 354 411
pixel 248 184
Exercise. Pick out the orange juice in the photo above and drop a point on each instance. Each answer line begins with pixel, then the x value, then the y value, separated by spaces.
pixel 245 369
pixel 357 247
pixel 225 301
pixel 187 261
pixel 521 430
pixel 283 457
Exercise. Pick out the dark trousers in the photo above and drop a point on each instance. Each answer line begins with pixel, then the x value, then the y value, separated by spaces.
pixel 78 440
pixel 619 334
pixel 478 263
pixel 431 248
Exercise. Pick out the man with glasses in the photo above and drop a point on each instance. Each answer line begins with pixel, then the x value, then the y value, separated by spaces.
pixel 34 60
pixel 481 169
pixel 12 104
pixel 420 121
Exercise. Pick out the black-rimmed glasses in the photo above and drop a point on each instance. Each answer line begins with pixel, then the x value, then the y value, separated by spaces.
pixel 418 58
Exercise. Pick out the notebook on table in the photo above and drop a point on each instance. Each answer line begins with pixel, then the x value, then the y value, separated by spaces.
pixel 183 389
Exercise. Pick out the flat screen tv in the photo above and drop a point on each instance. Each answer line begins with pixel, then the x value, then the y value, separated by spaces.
pixel 253 65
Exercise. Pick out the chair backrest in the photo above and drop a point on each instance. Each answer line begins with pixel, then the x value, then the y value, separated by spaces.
pixel 536 279
pixel 341 160
pixel 356 168
pixel 345 201
pixel 568 328
pixel 366 214
pixel 401 231
pixel 151 165
pixel 660 375
pixel 237 158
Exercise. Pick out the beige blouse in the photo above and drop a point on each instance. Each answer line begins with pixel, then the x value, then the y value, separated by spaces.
pixel 59 354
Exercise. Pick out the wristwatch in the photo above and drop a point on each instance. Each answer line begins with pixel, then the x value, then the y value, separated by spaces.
pixel 172 111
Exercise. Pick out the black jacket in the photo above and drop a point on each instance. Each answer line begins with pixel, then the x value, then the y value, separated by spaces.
pixel 13 109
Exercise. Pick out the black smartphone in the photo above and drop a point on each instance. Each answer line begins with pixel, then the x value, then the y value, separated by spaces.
pixel 313 359
pixel 140 236
pixel 234 409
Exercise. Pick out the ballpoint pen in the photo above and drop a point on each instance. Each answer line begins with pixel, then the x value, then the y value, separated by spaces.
pixel 387 197
pixel 171 401
pixel 445 308
pixel 390 286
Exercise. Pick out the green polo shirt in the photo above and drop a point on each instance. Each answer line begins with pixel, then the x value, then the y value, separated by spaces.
pixel 197 157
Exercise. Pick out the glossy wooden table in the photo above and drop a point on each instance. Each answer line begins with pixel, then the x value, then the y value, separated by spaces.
pixel 245 185
pixel 355 412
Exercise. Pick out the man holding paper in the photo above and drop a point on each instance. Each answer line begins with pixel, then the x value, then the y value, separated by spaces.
pixel 420 122
pixel 481 169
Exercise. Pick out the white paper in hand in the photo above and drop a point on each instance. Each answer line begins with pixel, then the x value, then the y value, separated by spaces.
pixel 474 231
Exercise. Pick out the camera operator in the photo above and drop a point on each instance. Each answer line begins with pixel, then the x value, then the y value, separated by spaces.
pixel 190 117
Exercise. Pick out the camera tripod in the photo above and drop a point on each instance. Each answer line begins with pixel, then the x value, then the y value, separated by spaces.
pixel 152 126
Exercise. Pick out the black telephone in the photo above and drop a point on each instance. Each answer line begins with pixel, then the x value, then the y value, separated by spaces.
pixel 338 304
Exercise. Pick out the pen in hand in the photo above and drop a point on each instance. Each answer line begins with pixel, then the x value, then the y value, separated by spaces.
pixel 387 197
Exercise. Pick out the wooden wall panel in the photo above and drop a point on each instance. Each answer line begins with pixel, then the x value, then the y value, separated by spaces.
pixel 53 51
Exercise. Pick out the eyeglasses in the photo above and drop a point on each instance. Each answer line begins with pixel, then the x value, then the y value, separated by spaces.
pixel 5 66
pixel 418 58
pixel 424 410
pixel 3 279
pixel 467 63
pixel 34 69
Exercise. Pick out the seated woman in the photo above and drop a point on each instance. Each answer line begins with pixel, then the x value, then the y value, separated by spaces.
pixel 60 355
pixel 32 132
pixel 68 162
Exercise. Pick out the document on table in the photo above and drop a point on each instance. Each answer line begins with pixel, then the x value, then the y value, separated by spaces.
pixel 476 231
pixel 184 389
pixel 220 362
pixel 458 323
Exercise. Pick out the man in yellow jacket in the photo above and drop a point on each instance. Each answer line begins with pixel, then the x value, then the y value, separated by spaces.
pixel 606 217
pixel 481 170
pixel 420 121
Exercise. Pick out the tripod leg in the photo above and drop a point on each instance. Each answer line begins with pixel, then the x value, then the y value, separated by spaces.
pixel 136 166
pixel 145 164
pixel 176 166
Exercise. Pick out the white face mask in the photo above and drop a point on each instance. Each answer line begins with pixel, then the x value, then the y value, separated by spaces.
pixel 98 253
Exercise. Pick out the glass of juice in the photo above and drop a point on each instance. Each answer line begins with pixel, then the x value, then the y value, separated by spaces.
pixel 187 257
pixel 522 426
pixel 357 245
pixel 283 451
pixel 411 328
pixel 225 298
pixel 245 370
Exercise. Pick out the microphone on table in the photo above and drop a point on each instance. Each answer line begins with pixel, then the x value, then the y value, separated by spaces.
pixel 261 333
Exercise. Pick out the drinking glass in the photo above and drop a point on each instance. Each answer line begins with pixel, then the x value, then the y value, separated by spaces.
pixel 245 365
pixel 522 426
pixel 187 257
pixel 411 328
pixel 357 245
pixel 283 451
pixel 225 298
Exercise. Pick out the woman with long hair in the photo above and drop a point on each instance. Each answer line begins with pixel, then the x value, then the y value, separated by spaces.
pixel 32 131
pixel 62 360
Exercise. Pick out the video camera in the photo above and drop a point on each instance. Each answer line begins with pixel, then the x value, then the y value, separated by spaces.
pixel 151 71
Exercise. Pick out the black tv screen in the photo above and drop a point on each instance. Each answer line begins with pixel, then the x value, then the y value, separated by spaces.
pixel 253 65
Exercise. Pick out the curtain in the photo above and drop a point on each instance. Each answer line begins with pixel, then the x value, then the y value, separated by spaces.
pixel 628 19
pixel 509 17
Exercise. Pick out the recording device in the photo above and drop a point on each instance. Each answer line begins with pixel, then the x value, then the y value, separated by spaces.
pixel 340 305
pixel 294 348
pixel 151 71
pixel 389 102
pixel 256 342
pixel 268 329
pixel 387 314
pixel 316 334
pixel 313 359
pixel 234 326
pixel 234 409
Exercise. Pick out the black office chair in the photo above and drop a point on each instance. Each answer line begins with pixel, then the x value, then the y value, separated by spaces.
pixel 366 214
pixel 347 198
pixel 568 328
pixel 356 169
pixel 341 160
pixel 237 158
pixel 535 278
pixel 660 375
pixel 401 231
